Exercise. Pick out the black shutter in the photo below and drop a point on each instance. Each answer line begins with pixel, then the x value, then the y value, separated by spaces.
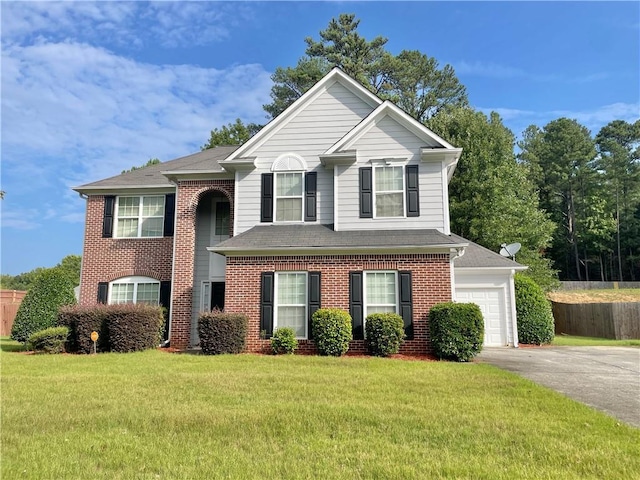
pixel 169 213
pixel 103 292
pixel 366 192
pixel 406 303
pixel 266 198
pixel 310 186
pixel 266 304
pixel 356 304
pixel 314 297
pixel 107 219
pixel 165 301
pixel 413 198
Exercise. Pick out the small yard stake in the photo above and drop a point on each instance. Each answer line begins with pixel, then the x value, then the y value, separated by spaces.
pixel 94 337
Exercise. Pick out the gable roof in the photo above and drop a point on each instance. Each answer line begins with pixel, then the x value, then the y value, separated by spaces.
pixel 387 108
pixel 206 161
pixel 335 75
pixel 477 256
pixel 288 238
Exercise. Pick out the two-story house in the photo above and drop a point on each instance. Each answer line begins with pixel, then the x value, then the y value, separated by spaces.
pixel 341 201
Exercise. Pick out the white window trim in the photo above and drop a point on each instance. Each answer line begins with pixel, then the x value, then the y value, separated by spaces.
pixel 140 217
pixel 365 301
pixel 276 196
pixel 135 280
pixel 276 305
pixel 389 163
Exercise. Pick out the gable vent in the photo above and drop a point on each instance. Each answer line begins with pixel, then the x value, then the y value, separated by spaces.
pixel 289 162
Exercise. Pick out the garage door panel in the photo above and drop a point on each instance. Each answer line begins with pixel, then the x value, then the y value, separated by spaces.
pixel 491 303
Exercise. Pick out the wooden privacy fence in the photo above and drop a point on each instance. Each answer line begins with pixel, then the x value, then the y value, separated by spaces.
pixel 618 321
pixel 9 302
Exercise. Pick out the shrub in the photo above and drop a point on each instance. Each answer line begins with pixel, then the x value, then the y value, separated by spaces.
pixel 132 328
pixel 331 328
pixel 39 308
pixel 222 332
pixel 121 328
pixel 284 341
pixel 457 330
pixel 534 314
pixel 49 340
pixel 384 333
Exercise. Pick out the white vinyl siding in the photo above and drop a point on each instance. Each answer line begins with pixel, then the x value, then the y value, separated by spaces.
pixel 309 133
pixel 140 216
pixel 291 302
pixel 135 290
pixel 388 139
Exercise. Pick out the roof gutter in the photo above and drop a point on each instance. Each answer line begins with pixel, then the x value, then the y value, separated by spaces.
pixel 345 249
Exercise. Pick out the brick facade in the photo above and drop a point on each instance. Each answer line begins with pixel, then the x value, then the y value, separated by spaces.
pixel 431 284
pixel 106 259
pixel 189 194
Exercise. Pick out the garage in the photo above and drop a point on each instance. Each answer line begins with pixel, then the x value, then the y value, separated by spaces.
pixel 492 305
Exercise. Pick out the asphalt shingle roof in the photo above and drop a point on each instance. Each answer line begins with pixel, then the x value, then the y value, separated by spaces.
pixel 477 256
pixel 207 161
pixel 264 237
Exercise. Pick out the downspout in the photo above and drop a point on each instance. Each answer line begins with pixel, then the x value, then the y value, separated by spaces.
pixel 167 342
pixel 459 252
pixel 514 318
pixel 84 239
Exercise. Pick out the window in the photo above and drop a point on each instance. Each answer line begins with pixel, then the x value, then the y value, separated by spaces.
pixel 140 216
pixel 289 196
pixel 380 293
pixel 135 290
pixel 389 191
pixel 291 302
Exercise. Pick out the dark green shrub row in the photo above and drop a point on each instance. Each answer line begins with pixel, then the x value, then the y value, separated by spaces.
pixel 534 314
pixel 332 332
pixel 384 333
pixel 49 340
pixel 222 332
pixel 457 330
pixel 39 308
pixel 284 341
pixel 121 328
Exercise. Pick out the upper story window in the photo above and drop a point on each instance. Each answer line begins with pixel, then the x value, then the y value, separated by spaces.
pixel 140 216
pixel 389 191
pixel 288 193
pixel 135 290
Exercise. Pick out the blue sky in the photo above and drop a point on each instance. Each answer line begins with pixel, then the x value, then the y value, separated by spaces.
pixel 89 89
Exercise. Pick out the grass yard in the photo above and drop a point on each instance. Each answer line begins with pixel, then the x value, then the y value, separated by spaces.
pixel 596 296
pixel 575 341
pixel 160 415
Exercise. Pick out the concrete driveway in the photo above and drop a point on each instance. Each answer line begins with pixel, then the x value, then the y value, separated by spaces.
pixel 606 378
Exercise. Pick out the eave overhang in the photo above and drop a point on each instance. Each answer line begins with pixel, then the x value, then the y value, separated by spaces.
pixel 340 158
pixel 337 250
pixel 176 175
pixel 128 189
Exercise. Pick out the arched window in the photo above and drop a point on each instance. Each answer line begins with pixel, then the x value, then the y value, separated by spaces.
pixel 135 290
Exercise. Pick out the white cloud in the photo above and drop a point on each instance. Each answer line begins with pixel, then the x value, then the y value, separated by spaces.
pixel 167 24
pixel 494 70
pixel 74 113
pixel 20 219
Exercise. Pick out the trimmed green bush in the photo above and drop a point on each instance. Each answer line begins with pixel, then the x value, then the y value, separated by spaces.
pixel 284 341
pixel 384 333
pixel 331 328
pixel 457 330
pixel 132 328
pixel 121 328
pixel 39 308
pixel 49 340
pixel 534 314
pixel 222 332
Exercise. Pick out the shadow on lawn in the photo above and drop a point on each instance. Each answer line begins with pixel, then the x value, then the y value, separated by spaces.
pixel 8 345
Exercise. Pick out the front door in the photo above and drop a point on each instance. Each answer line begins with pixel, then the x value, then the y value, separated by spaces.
pixel 217 295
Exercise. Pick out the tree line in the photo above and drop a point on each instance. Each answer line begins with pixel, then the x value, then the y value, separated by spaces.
pixel 69 266
pixel 571 200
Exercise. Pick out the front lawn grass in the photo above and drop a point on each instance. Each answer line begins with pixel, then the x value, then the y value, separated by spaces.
pixel 576 341
pixel 160 415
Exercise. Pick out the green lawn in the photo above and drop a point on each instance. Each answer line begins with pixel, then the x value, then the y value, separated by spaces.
pixel 575 341
pixel 160 415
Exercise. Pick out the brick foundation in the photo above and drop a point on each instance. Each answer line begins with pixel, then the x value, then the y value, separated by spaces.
pixel 431 284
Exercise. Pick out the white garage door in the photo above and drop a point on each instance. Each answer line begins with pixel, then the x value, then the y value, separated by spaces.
pixel 491 302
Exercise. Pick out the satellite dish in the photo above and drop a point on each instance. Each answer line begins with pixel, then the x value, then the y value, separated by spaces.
pixel 510 250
